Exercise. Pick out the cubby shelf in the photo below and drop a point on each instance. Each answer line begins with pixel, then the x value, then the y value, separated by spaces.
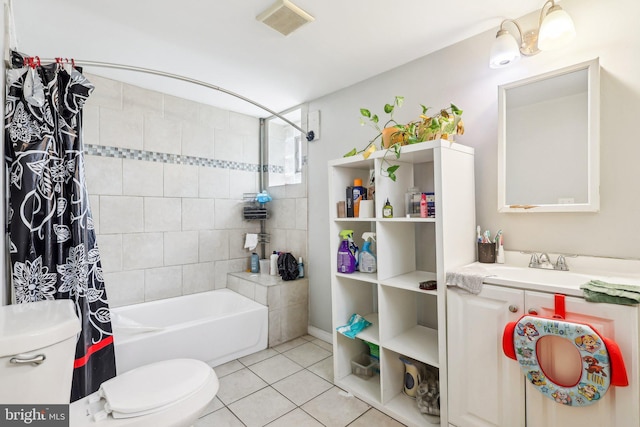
pixel 406 320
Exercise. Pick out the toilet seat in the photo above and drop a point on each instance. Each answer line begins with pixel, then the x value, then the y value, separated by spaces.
pixel 150 388
pixel 601 362
pixel 169 393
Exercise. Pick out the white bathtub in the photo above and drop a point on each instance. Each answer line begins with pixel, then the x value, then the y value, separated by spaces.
pixel 215 327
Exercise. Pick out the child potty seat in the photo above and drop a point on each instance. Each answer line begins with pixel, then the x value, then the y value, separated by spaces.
pixel 602 363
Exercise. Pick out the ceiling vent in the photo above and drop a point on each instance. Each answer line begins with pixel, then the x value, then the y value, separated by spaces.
pixel 284 17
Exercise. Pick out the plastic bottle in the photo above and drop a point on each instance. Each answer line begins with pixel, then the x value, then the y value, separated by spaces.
pixel 359 193
pixel 346 260
pixel 410 200
pixel 273 268
pixel 387 210
pixel 255 263
pixel 300 268
pixel 367 262
pixel 423 206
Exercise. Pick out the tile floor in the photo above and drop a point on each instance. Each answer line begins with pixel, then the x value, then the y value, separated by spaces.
pixel 290 385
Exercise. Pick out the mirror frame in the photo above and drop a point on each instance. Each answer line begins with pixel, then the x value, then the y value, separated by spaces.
pixel 593 143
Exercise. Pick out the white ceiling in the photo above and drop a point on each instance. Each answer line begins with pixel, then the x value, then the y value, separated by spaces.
pixel 223 44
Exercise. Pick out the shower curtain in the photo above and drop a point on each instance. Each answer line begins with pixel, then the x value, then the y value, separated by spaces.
pixel 52 239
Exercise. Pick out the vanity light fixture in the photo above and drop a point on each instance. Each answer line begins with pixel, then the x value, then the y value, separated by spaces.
pixel 555 30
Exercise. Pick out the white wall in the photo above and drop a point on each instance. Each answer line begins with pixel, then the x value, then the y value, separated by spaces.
pixel 460 74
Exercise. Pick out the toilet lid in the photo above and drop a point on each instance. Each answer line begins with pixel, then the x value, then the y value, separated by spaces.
pixel 152 387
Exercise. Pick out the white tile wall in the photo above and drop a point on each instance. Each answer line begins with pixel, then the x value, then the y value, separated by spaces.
pixel 198 214
pixel 198 277
pixel 180 247
pixel 161 134
pixel 229 145
pixel 213 245
pixel 107 93
pixel 121 214
pixel 180 180
pixel 125 287
pixel 135 98
pixel 242 182
pixel 213 116
pixel 213 182
pixel 142 178
pixel 180 109
pixel 166 228
pixel 110 246
pixel 162 214
pixel 91 124
pixel 121 128
pixel 103 175
pixel 165 282
pixel 197 140
pixel 142 250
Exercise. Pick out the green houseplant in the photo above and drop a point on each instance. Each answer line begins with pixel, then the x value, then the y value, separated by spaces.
pixel 393 135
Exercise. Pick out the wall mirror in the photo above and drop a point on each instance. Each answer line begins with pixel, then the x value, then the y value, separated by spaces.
pixel 548 141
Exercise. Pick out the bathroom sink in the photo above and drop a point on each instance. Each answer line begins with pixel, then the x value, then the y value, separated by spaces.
pixel 534 278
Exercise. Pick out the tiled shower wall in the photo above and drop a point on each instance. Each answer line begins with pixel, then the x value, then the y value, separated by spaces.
pixel 166 177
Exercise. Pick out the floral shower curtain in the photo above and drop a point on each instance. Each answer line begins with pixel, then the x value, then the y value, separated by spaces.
pixel 52 239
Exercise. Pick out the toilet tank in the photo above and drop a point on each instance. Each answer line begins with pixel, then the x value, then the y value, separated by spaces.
pixel 37 350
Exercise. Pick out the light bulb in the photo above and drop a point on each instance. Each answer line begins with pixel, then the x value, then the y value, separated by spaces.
pixel 557 29
pixel 504 50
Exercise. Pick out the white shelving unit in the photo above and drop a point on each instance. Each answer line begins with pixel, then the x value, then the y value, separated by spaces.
pixel 407 321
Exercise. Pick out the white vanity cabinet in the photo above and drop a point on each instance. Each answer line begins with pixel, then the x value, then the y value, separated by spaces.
pixel 486 388
pixel 406 321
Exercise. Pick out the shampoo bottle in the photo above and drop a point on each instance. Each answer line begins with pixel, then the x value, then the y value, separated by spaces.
pixel 367 262
pixel 273 264
pixel 300 268
pixel 346 259
pixel 255 263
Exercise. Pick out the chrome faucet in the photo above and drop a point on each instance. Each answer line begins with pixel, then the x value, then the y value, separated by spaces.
pixel 543 261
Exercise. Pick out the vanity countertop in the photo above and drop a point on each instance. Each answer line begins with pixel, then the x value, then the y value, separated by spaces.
pixel 516 273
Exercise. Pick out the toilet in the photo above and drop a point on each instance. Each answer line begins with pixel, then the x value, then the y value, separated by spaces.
pixel 37 348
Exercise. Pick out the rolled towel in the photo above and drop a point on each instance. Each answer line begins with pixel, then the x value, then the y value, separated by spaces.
pixel 599 291
pixel 469 278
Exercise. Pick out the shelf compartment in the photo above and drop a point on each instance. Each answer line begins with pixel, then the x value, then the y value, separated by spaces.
pixel 411 281
pixel 404 219
pixel 409 246
pixel 419 342
pixel 363 277
pixel 370 333
pixel 365 389
pixel 404 408
pixel 408 411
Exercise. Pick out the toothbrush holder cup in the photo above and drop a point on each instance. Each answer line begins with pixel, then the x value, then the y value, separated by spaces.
pixel 487 252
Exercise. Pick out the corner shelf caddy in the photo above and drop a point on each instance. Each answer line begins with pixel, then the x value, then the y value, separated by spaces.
pixel 406 321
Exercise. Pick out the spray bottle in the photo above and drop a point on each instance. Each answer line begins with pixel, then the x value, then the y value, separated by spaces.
pixel 367 262
pixel 347 253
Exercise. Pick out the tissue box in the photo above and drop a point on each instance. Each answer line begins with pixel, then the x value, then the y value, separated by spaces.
pixel 363 366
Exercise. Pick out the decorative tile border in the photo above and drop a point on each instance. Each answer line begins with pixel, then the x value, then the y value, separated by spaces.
pixel 152 156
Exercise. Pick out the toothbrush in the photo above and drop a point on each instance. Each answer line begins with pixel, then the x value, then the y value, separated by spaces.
pixel 478 234
pixel 487 236
pixel 498 236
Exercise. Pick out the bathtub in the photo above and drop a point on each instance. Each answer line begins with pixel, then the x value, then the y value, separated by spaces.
pixel 215 327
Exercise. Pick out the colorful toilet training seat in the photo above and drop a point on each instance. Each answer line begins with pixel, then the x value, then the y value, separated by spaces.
pixel 601 359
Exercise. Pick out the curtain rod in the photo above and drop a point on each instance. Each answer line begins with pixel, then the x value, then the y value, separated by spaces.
pixel 309 135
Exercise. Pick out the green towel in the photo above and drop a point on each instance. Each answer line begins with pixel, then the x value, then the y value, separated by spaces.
pixel 599 291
